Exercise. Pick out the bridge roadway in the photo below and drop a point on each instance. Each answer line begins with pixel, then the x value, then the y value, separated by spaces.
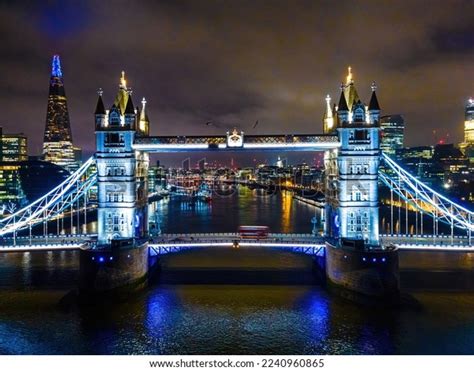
pixel 175 242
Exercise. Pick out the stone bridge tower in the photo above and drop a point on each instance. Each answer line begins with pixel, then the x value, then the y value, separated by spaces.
pixel 352 210
pixel 121 171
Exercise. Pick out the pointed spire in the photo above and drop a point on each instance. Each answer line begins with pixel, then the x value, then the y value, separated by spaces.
pixel 100 108
pixel 143 113
pixel 328 113
pixel 374 103
pixel 349 89
pixel 56 67
pixel 373 86
pixel 123 81
pixel 342 106
pixel 349 79
pixel 144 122
pixel 123 94
pixel 328 122
pixel 129 108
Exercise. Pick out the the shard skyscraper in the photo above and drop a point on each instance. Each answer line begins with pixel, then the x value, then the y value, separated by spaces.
pixel 57 145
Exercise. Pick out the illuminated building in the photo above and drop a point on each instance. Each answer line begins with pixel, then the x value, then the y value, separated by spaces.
pixel 10 183
pixel 425 152
pixel 418 160
pixel 469 122
pixel 122 205
pixel 392 131
pixel 450 158
pixel 13 150
pixel 468 145
pixel 57 145
pixel 352 190
pixel 23 182
pixel 13 147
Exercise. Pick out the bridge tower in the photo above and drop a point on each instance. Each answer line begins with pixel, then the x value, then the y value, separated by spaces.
pixel 116 167
pixel 121 256
pixel 352 211
pixel 352 203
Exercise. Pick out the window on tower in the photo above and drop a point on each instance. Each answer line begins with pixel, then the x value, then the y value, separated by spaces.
pixel 113 139
pixel 114 118
pixel 361 135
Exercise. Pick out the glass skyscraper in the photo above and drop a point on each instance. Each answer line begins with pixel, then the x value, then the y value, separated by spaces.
pixel 57 145
pixel 393 132
pixel 13 147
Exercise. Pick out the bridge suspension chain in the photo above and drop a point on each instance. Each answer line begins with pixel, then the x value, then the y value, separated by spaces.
pixel 424 198
pixel 52 204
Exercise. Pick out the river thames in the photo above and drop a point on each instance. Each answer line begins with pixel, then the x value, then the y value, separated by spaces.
pixel 235 302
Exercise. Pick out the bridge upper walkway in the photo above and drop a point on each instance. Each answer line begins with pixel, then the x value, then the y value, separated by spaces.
pixel 304 142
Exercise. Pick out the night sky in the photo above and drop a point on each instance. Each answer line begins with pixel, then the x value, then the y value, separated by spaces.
pixel 235 62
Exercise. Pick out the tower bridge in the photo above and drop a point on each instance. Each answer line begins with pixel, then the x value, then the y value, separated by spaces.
pixel 351 143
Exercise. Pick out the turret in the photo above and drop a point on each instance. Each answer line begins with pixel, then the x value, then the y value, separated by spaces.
pixel 350 92
pixel 342 108
pixel 328 120
pixel 100 114
pixel 129 115
pixel 144 122
pixel 374 108
pixel 123 94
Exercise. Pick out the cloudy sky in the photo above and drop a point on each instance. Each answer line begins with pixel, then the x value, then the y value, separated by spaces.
pixel 235 62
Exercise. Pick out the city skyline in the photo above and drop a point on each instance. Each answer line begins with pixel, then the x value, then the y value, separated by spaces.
pixel 198 70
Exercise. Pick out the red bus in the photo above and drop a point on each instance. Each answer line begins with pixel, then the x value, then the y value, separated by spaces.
pixel 255 232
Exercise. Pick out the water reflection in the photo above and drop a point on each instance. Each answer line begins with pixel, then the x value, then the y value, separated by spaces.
pixel 236 319
pixel 243 207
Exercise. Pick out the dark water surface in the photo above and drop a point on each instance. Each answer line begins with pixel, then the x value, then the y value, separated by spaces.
pixel 235 318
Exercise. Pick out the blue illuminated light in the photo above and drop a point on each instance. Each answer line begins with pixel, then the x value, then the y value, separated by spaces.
pixel 101 259
pixel 383 260
pixel 364 259
pixel 56 67
pixel 374 260
pixel 111 258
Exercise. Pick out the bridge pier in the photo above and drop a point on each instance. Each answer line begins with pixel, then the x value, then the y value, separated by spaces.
pixel 358 273
pixel 123 266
